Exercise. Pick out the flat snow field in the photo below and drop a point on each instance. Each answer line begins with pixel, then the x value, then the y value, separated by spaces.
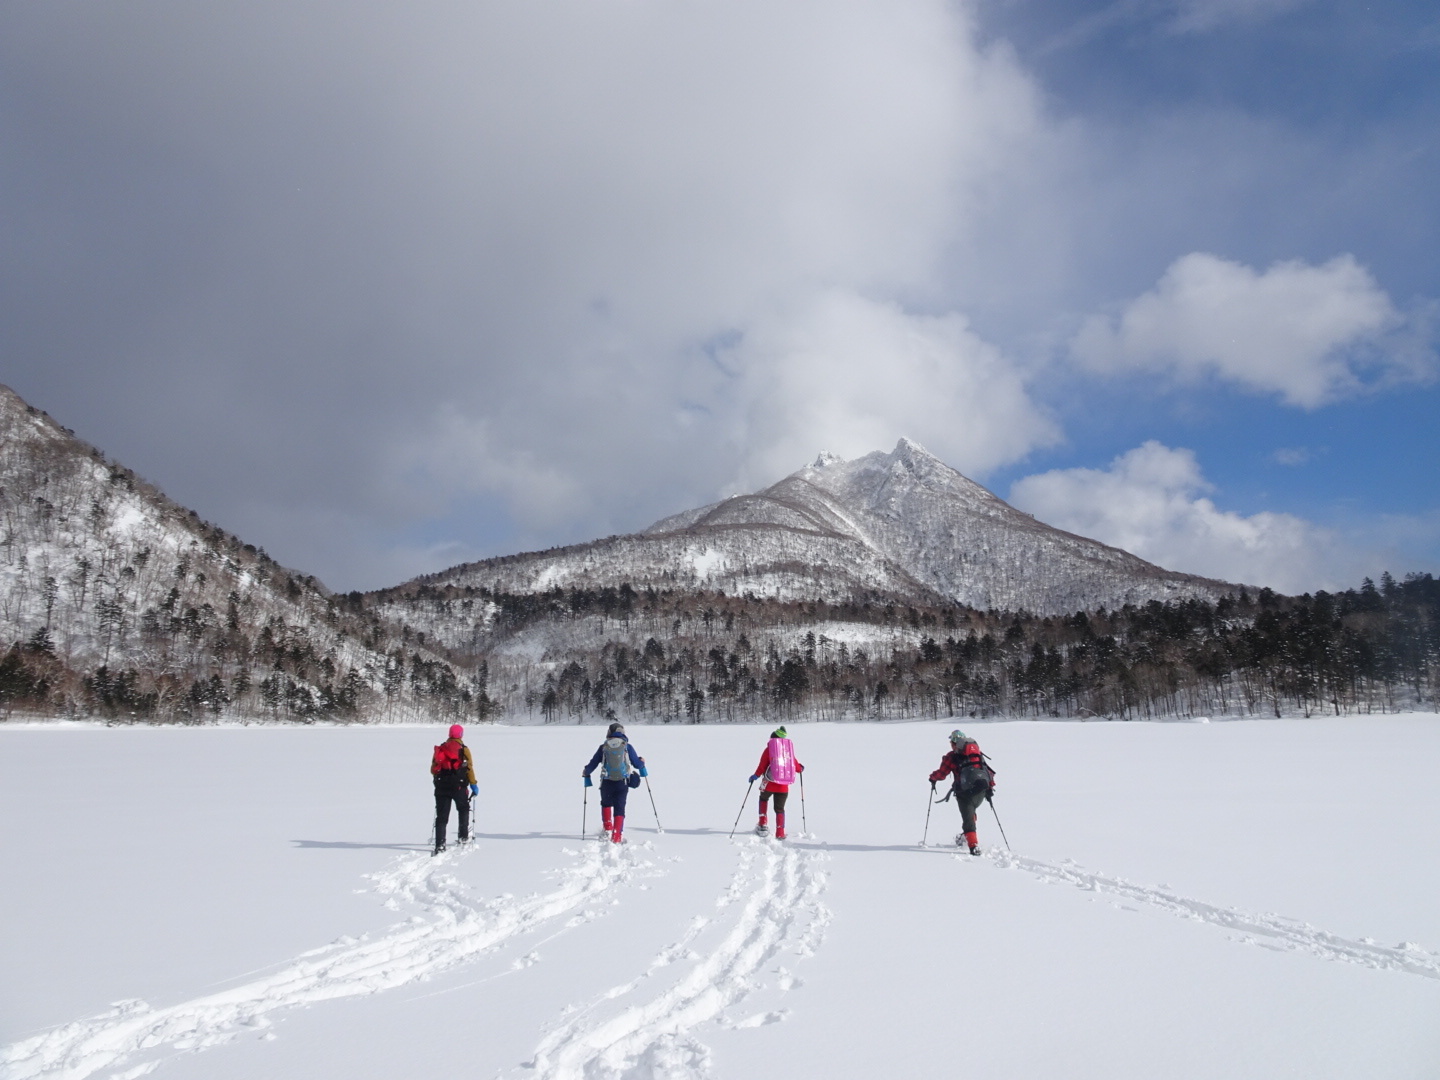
pixel 1236 899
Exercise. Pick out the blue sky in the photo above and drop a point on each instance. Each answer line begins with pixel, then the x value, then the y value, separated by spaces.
pixel 386 288
pixel 1350 96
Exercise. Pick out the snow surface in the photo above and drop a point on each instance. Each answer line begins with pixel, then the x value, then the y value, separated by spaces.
pixel 1234 899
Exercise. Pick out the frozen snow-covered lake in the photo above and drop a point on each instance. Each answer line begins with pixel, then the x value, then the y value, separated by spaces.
pixel 1241 899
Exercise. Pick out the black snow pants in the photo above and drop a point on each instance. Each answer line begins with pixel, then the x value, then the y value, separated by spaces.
pixel 971 787
pixel 451 790
pixel 778 796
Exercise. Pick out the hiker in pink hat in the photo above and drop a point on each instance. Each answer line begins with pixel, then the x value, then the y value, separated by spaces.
pixel 453 769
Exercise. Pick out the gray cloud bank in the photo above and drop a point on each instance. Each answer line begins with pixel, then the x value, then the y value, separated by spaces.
pixel 378 259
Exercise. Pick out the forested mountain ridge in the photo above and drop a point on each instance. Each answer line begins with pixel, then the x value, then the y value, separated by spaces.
pixel 902 527
pixel 116 601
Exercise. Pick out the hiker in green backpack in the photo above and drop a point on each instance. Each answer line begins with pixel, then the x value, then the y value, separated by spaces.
pixel 621 771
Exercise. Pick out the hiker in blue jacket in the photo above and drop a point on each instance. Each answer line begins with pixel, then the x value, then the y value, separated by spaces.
pixel 615 756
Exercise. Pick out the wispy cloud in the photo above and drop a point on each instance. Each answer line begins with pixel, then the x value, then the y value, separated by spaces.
pixel 1293 455
pixel 1200 16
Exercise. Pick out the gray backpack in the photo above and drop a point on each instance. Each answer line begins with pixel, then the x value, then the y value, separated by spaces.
pixel 616 761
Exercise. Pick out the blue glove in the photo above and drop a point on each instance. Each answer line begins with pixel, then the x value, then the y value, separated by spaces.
pixel 754 778
pixel 588 783
pixel 643 772
pixel 474 790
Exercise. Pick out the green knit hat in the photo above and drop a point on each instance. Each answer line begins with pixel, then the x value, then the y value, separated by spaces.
pixel 778 733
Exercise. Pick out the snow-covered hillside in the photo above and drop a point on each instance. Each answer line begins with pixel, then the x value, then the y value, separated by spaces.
pixel 902 525
pixel 1188 901
pixel 115 600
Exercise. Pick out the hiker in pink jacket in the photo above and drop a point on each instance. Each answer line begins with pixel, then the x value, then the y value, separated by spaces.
pixel 779 767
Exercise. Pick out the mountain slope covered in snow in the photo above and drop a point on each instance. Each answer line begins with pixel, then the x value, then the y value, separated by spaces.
pixel 902 525
pixel 116 600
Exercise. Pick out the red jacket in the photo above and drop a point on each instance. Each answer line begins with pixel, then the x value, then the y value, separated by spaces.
pixel 967 757
pixel 765 764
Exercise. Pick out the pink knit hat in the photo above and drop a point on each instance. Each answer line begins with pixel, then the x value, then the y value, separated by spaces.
pixel 456 731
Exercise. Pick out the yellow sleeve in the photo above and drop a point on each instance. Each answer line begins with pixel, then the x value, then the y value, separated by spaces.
pixel 469 765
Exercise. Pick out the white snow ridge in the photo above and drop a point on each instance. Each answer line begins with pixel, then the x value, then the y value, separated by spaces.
pixel 778 889
pixel 453 928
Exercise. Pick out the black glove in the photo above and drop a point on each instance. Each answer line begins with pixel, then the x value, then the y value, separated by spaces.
pixel 932 787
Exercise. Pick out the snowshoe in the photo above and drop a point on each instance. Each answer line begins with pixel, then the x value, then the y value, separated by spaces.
pixel 439 850
pixel 762 830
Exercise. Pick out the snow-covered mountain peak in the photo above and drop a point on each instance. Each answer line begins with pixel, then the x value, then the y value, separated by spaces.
pixel 910 450
pixel 900 523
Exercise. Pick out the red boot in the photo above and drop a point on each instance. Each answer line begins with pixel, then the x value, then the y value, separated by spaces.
pixel 615 837
pixel 974 842
pixel 779 826
pixel 606 822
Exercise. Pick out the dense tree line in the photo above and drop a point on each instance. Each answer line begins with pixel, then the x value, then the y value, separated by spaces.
pixel 572 655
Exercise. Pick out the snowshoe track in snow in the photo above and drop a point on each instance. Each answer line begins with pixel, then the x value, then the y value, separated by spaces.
pixel 777 890
pixel 1270 931
pixel 453 929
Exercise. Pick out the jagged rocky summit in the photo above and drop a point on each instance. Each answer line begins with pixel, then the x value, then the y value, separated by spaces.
pixel 900 525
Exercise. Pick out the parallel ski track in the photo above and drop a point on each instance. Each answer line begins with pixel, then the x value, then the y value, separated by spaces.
pixel 1270 931
pixel 454 928
pixel 779 890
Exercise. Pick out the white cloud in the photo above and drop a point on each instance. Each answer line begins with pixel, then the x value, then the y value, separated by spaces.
pixel 853 375
pixel 1151 501
pixel 1309 333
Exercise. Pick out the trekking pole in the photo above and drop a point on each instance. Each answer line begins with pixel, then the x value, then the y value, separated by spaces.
pixel 742 810
pixel 584 810
pixel 997 821
pixel 804 825
pixel 929 803
pixel 658 826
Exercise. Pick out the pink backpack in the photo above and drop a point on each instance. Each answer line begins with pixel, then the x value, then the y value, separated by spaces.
pixel 782 762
